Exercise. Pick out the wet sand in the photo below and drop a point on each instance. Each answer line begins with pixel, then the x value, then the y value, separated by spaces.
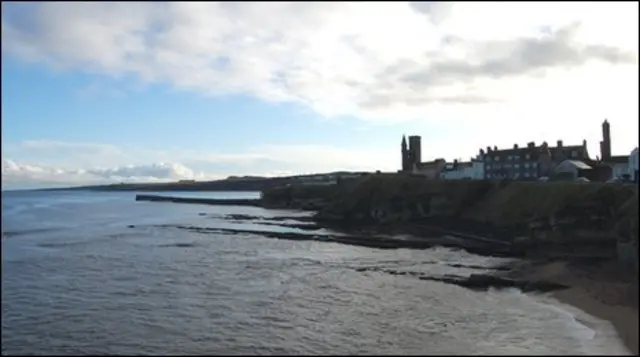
pixel 599 289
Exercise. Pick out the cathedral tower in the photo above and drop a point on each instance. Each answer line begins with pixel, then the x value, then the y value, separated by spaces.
pixel 405 154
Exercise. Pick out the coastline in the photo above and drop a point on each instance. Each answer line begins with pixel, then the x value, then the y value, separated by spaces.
pixel 599 289
pixel 585 253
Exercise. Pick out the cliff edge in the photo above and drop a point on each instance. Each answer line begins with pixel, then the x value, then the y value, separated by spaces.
pixel 538 218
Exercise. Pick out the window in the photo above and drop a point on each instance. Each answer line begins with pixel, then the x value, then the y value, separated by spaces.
pixel 574 153
pixel 526 174
pixel 528 156
pixel 526 164
pixel 496 158
pixel 517 166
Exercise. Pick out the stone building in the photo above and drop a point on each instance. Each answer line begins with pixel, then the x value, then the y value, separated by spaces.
pixel 412 159
pixel 412 154
pixel 530 162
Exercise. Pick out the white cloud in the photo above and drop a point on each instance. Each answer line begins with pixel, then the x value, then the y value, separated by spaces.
pixel 16 174
pixel 379 61
pixel 68 163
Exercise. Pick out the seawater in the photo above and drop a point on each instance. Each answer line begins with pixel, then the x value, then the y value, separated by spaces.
pixel 78 280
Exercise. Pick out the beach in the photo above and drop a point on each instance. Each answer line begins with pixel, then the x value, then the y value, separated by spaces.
pixel 599 289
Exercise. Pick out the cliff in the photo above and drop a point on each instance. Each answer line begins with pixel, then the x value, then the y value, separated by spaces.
pixel 568 216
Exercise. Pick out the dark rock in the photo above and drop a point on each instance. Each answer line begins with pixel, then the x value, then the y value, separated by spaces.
pixel 484 282
pixel 241 217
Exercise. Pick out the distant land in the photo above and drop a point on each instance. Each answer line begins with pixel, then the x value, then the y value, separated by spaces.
pixel 231 183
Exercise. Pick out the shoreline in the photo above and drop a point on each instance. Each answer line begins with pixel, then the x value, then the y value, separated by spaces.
pixel 600 290
pixel 595 283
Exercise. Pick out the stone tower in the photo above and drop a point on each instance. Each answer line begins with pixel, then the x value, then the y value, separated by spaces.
pixel 605 144
pixel 411 155
pixel 405 155
pixel 415 148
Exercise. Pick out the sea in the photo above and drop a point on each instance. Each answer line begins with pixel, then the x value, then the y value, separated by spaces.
pixel 99 273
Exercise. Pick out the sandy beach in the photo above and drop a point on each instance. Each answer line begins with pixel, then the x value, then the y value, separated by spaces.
pixel 599 289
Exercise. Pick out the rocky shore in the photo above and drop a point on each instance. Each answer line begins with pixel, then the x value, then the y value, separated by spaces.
pixel 578 240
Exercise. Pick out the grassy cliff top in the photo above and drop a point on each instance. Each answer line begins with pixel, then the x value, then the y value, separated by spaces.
pixel 497 202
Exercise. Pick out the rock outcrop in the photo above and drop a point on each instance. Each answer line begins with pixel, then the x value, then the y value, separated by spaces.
pixel 536 217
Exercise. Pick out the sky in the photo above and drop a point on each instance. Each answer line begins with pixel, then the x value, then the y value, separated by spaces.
pixel 100 92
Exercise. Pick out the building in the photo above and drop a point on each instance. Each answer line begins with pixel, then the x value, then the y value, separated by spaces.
pixel 412 159
pixel 633 165
pixel 529 162
pixel 473 170
pixel 430 169
pixel 457 171
pixel 478 168
pixel 605 144
pixel 412 154
pixel 571 170
pixel 619 164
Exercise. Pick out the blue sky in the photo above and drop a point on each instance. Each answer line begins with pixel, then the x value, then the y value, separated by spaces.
pixel 102 92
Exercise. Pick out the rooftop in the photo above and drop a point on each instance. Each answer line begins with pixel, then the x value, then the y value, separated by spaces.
pixel 574 163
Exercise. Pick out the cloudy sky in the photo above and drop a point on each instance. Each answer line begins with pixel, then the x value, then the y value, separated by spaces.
pixel 102 92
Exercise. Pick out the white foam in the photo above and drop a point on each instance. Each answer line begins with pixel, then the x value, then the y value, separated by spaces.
pixel 597 336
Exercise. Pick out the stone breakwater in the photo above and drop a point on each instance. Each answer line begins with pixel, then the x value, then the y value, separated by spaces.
pixel 202 201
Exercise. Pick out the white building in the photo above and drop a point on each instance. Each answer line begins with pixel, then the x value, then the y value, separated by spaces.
pixel 633 165
pixel 618 169
pixel 478 168
pixel 472 170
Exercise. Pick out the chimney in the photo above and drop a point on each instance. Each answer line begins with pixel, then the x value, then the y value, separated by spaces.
pixel 488 149
pixel 584 143
pixel 560 143
pixel 531 145
pixel 481 152
pixel 495 148
pixel 515 146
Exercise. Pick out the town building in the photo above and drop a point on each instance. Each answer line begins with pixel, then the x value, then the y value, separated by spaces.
pixel 619 164
pixel 529 162
pixel 473 170
pixel 457 170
